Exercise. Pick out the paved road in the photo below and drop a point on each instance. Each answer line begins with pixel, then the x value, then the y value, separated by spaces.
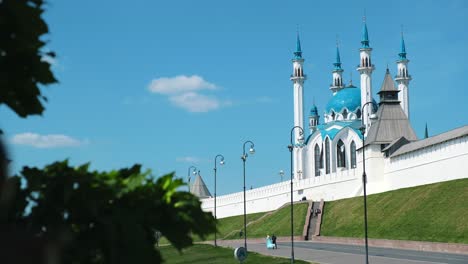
pixel 350 254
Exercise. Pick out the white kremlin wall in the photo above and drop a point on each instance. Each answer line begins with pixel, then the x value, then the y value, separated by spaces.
pixel 441 162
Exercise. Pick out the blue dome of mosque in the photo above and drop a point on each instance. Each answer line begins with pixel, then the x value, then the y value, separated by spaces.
pixel 349 98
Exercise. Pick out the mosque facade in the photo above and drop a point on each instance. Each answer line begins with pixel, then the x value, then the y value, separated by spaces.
pixel 328 164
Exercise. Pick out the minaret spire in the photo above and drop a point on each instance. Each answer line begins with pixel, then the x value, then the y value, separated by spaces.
pixel 298 52
pixel 402 53
pixel 403 78
pixel 337 82
pixel 365 35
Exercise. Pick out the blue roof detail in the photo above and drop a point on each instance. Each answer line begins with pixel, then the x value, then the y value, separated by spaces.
pixel 331 129
pixel 298 52
pixel 314 111
pixel 365 37
pixel 349 98
pixel 337 63
pixel 402 53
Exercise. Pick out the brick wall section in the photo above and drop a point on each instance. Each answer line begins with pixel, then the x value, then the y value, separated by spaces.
pixel 401 244
pixel 319 221
pixel 307 220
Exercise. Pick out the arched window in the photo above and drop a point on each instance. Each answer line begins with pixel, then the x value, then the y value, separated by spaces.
pixel 317 160
pixel 345 114
pixel 333 115
pixel 327 156
pixel 363 63
pixel 358 113
pixel 353 154
pixel 340 154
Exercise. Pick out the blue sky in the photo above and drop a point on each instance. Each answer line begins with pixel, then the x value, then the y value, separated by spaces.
pixel 170 84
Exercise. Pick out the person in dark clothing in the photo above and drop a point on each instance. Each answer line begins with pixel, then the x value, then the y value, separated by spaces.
pixel 273 240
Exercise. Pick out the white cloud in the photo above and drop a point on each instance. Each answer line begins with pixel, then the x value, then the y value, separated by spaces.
pixel 194 102
pixel 185 92
pixel 46 141
pixel 180 84
pixel 188 159
pixel 264 99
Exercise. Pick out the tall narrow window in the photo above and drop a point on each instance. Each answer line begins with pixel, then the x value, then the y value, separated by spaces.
pixel 353 154
pixel 340 154
pixel 345 114
pixel 317 160
pixel 327 156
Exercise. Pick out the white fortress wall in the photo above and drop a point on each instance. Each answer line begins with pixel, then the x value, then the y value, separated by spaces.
pixel 268 198
pixel 437 163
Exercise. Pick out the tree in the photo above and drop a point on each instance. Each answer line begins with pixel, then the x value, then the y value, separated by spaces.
pixel 23 67
pixel 106 217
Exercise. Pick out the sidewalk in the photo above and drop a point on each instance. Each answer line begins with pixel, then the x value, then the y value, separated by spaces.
pixel 317 256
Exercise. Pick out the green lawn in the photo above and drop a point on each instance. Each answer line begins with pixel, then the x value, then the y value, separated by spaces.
pixel 436 212
pixel 206 254
pixel 278 223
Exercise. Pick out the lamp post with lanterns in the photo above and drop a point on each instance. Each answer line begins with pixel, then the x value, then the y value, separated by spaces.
pixel 221 162
pixel 244 158
pixel 291 147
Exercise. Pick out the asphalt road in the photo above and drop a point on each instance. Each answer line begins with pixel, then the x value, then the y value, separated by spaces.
pixel 403 255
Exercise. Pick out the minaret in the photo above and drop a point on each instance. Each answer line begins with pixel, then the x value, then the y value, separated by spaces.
pixel 403 78
pixel 365 69
pixel 337 82
pixel 298 77
pixel 313 119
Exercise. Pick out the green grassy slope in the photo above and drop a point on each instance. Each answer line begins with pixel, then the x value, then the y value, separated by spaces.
pixel 278 223
pixel 234 224
pixel 436 212
pixel 202 254
pixel 229 225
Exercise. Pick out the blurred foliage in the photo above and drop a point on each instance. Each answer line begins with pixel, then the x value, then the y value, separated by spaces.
pixel 105 217
pixel 24 64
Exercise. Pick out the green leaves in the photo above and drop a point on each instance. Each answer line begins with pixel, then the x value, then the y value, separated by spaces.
pixel 109 217
pixel 23 67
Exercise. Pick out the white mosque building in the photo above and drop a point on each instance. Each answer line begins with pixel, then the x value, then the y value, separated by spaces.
pixel 328 163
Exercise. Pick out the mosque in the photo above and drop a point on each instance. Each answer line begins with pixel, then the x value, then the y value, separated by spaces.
pixel 328 164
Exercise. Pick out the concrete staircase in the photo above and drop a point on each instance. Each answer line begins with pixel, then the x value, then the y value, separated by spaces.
pixel 314 220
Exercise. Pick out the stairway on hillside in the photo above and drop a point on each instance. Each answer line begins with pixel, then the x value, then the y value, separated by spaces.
pixel 313 220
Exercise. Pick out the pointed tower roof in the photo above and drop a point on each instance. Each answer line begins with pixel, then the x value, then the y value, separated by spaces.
pixel 402 53
pixel 199 188
pixel 426 132
pixel 392 123
pixel 337 63
pixel 365 36
pixel 298 52
pixel 314 110
pixel 388 84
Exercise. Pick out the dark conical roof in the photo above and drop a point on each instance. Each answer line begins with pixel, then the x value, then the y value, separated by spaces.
pixel 199 188
pixel 388 84
pixel 392 122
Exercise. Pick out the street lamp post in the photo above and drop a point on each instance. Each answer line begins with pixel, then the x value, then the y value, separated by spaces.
pixel 281 174
pixel 215 163
pixel 364 177
pixel 244 158
pixel 291 147
pixel 188 174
